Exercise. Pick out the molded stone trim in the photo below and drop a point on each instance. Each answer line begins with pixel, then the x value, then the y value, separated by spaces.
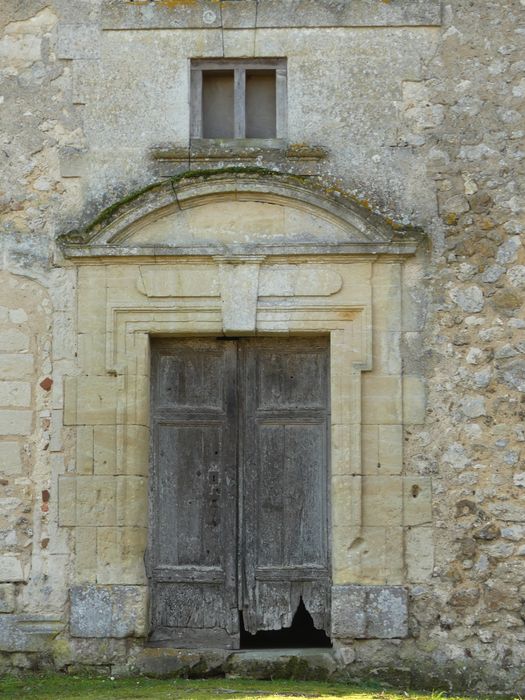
pixel 204 14
pixel 367 232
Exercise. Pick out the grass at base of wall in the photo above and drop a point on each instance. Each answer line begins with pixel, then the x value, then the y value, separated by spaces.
pixel 57 686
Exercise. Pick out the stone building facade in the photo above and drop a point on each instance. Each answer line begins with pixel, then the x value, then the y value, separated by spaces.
pixel 383 211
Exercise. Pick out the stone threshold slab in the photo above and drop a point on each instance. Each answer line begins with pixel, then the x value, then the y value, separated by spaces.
pixel 165 662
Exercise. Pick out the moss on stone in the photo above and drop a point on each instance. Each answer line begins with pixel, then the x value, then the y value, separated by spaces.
pixel 332 190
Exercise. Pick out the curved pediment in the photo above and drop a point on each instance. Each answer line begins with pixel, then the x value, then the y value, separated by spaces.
pixel 225 213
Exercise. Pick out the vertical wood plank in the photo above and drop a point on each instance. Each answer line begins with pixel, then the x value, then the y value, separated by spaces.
pixel 192 561
pixel 285 463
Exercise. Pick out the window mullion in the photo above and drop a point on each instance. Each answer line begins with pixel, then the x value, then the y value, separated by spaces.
pixel 196 104
pixel 240 103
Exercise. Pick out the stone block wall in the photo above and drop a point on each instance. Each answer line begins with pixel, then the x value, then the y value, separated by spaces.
pixel 418 110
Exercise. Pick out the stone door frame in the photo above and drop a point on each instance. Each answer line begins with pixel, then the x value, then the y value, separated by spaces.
pixel 351 292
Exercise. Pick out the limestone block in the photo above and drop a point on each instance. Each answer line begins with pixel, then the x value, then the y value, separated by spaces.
pixel 167 662
pixel 419 554
pixel 345 385
pixel 85 555
pixel 239 285
pixel 92 293
pixel 382 449
pixel 7 597
pixel 108 611
pixel 386 351
pixel 10 458
pixel 13 340
pixel 16 366
pixel 90 400
pixel 346 501
pixel 294 280
pixel 239 16
pixel 169 281
pixel 16 422
pixel 120 555
pixel 64 336
pixel 417 501
pixel 95 500
pixel 414 400
pixel 382 501
pixel 376 556
pixel 272 663
pixel 28 633
pixel 346 449
pixel 92 352
pixel 133 450
pixel 85 449
pixel 270 14
pixel 382 399
pixel 238 43
pixel 137 400
pixel 67 500
pixel 132 501
pixel 11 568
pixel 369 612
pixel 386 297
pixel 105 449
pixel 56 443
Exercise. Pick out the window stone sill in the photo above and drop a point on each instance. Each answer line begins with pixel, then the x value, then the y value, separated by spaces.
pixel 201 152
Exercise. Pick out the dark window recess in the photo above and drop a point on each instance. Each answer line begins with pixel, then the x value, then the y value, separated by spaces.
pixel 217 104
pixel 260 104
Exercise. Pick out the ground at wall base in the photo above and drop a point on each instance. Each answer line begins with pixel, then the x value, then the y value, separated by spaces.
pixel 323 667
pixel 45 686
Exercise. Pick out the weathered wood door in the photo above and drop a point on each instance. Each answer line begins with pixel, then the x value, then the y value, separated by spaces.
pixel 239 501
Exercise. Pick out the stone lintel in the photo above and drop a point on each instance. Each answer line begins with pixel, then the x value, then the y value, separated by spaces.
pixel 369 612
pixel 108 611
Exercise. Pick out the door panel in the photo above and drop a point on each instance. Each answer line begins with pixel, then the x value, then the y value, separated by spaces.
pixel 239 444
pixel 194 494
pixel 285 519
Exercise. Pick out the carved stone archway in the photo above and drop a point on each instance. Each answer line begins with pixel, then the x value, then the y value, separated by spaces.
pixel 237 253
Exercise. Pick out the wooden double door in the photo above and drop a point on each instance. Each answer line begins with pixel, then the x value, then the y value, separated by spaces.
pixel 239 488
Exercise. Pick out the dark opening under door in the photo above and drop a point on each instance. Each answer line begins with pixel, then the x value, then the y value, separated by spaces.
pixel 239 498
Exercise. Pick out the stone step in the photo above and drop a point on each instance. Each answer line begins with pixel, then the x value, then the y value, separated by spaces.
pixel 299 664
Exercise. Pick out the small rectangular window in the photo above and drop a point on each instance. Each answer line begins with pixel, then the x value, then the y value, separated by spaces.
pixel 217 104
pixel 238 99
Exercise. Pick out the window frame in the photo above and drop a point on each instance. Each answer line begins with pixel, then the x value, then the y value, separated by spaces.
pixel 239 66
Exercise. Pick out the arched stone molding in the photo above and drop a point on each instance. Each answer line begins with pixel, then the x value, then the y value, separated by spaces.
pixel 119 230
pixel 348 287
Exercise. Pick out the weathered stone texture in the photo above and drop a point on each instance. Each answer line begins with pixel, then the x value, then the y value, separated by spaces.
pixel 369 612
pixel 108 611
pixel 418 110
